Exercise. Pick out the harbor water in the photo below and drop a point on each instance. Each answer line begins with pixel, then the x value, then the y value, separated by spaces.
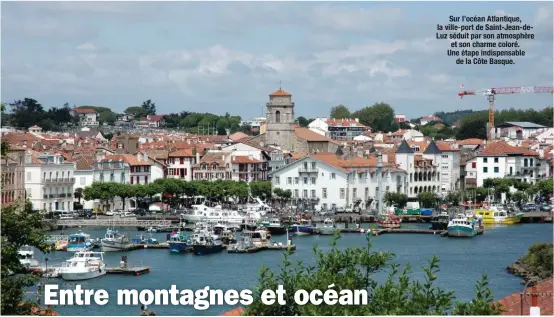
pixel 462 263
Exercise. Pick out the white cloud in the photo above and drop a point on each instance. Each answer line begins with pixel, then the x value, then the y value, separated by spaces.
pixel 348 19
pixel 86 47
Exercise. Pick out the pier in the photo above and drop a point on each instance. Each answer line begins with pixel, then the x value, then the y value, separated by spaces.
pixel 273 247
pixel 136 271
pixel 379 232
pixel 537 217
pixel 112 223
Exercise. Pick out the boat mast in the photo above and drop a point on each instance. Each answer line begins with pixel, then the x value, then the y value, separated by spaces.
pixel 379 183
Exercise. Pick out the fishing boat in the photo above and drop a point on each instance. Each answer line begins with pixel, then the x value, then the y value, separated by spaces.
pixel 302 227
pixel 83 265
pixel 205 242
pixel 440 221
pixel 465 226
pixel 328 227
pixel 26 257
pixel 144 239
pixel 80 242
pixel 204 213
pixel 275 226
pixel 389 221
pixel 245 245
pixel 179 242
pixel 115 241
pixel 498 215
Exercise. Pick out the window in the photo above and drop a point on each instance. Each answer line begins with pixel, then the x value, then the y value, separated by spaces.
pixel 313 193
pixel 29 176
pixel 484 160
pixel 366 195
pixel 146 179
pixel 277 116
pixel 296 193
pixel 445 156
pixel 485 170
pixel 333 175
pixel 473 164
pixel 496 159
pixel 313 165
pixel 313 180
pixel 276 180
pixel 296 180
pixel 82 180
pixel 305 193
pixel 305 181
pixel 305 165
pixel 289 180
pixel 496 169
pixel 342 193
pixel 182 160
pixel 324 193
pixel 354 191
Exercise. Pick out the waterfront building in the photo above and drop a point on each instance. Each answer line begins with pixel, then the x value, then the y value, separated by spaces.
pixel 219 165
pixel 84 176
pixel 500 160
pixel 157 168
pixel 181 162
pixel 123 169
pixel 12 170
pixel 421 161
pixel 87 117
pixel 49 181
pixel 338 180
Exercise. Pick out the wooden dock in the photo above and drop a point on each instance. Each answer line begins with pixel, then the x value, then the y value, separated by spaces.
pixel 379 232
pixel 272 247
pixel 136 271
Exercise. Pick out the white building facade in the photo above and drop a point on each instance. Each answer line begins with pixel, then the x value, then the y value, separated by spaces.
pixel 49 181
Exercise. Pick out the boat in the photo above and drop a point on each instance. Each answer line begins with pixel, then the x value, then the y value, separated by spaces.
pixel 464 225
pixel 205 242
pixel 80 242
pixel 26 257
pixel 256 210
pixel 115 241
pixel 249 224
pixel 144 239
pixel 328 227
pixel 83 266
pixel 302 227
pixel 440 221
pixel 178 242
pixel 389 221
pixel 498 215
pixel 204 213
pixel 160 228
pixel 275 226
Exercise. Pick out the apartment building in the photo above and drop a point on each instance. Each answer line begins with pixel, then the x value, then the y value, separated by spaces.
pixel 333 180
pixel 49 181
pixel 230 166
pixel 87 117
pixel 421 161
pixel 122 168
pixel 181 163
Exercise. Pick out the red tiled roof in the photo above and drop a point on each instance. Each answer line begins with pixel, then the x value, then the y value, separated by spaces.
pixel 239 311
pixel 127 158
pixel 280 92
pixel 309 135
pixel 244 160
pixel 446 147
pixel 512 304
pixel 343 122
pixel 84 110
pixel 471 142
pixel 501 148
pixel 182 153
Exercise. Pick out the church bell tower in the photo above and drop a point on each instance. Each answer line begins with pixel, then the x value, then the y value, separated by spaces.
pixel 280 120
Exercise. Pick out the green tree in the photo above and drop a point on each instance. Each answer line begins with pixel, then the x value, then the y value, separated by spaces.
pixel 340 112
pixel 303 122
pixel 27 113
pixel 380 117
pixel 545 187
pixel 20 226
pixel 5 147
pixel 261 189
pixel 124 191
pixel 519 197
pixel 149 107
pixel 397 199
pixel 453 197
pixel 427 199
pixel 136 112
pixel 104 191
pixel 354 269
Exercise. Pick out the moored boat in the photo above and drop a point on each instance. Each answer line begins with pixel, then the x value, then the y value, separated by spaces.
pixel 440 221
pixel 115 241
pixel 205 242
pixel 389 221
pixel 83 265
pixel 499 215
pixel 275 226
pixel 26 257
pixel 179 242
pixel 302 227
pixel 80 242
pixel 465 226
pixel 328 227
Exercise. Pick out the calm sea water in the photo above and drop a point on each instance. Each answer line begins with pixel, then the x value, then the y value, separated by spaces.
pixel 462 262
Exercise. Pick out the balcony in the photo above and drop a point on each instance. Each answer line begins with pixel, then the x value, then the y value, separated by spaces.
pixel 59 180
pixel 51 196
pixel 62 195
pixel 308 170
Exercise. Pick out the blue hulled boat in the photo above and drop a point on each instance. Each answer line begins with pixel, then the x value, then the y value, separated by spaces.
pixel 302 227
pixel 80 242
pixel 178 242
pixel 205 242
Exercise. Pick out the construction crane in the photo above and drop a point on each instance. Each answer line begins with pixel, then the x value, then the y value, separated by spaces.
pixel 492 92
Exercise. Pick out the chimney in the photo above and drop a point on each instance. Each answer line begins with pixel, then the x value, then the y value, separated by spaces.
pixel 197 157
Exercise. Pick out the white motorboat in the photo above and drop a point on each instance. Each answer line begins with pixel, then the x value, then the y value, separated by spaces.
pixel 115 241
pixel 328 227
pixel 26 257
pixel 211 214
pixel 256 210
pixel 83 265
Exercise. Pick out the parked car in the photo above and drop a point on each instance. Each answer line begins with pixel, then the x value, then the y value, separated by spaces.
pixel 529 207
pixel 546 207
pixel 109 213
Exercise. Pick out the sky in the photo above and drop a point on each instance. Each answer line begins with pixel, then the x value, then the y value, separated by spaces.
pixel 229 56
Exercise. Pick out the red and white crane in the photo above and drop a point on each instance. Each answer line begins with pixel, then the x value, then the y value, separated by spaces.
pixel 492 92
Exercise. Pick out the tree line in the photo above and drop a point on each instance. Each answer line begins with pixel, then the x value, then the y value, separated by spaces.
pixel 379 117
pixel 172 189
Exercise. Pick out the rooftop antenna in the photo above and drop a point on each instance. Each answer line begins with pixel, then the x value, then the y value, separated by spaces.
pixel 280 85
